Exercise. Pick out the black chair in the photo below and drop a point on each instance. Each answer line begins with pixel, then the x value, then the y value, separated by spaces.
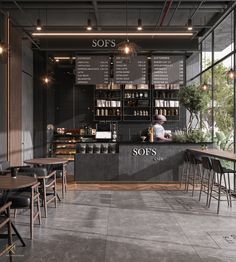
pixel 206 177
pixel 220 184
pixel 195 173
pixel 47 186
pixel 5 220
pixel 26 198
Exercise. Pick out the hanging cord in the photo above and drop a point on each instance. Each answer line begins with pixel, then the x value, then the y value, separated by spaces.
pixel 126 20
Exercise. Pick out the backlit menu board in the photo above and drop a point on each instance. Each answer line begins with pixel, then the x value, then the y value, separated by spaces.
pixel 167 70
pixel 92 70
pixel 130 71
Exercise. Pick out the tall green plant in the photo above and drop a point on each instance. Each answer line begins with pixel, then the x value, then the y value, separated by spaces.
pixel 194 99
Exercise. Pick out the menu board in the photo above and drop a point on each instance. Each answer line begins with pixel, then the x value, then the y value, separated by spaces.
pixel 130 71
pixel 167 70
pixel 92 70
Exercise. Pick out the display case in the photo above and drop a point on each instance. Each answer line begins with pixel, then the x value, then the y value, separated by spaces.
pixel 64 143
pixel 64 146
pixel 166 101
pixel 108 103
pixel 136 103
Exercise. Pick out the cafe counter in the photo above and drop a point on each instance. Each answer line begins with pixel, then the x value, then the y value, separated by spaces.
pixel 130 162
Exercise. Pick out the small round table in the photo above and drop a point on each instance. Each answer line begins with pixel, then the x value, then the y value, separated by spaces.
pixel 8 183
pixel 51 161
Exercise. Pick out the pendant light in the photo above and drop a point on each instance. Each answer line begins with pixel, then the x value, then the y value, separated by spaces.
pixel 89 25
pixel 140 27
pixel 204 87
pixel 190 25
pixel 39 25
pixel 231 73
pixel 127 48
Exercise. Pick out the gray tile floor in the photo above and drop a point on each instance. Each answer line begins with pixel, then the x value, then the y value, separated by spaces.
pixel 132 226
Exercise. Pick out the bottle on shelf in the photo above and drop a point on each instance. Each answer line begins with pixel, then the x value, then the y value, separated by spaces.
pixel 151 134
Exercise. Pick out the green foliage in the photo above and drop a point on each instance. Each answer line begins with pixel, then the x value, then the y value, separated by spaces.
pixel 223 141
pixel 192 136
pixel 195 100
pixel 223 100
pixel 192 98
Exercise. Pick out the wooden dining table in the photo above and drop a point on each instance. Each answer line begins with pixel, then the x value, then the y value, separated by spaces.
pixel 9 183
pixel 49 162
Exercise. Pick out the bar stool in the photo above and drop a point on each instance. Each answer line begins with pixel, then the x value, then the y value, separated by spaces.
pixel 206 177
pixel 185 171
pixel 219 185
pixel 194 176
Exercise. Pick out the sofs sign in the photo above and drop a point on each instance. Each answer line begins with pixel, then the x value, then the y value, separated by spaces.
pixel 147 151
pixel 103 43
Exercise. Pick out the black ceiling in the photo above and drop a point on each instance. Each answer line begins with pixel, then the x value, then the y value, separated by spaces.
pixel 111 15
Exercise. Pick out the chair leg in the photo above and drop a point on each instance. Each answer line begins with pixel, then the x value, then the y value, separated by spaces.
pixel 31 218
pixel 9 229
pixel 45 200
pixel 200 193
pixel 38 209
pixel 226 190
pixel 219 194
pixel 209 173
pixel 211 188
pixel 229 185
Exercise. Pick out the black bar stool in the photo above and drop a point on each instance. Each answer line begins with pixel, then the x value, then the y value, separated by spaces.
pixel 220 184
pixel 206 177
pixel 195 175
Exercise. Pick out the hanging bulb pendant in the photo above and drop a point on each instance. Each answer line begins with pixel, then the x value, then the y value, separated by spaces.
pixel 231 74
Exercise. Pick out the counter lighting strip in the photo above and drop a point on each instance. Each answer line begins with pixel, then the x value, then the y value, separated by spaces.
pixel 112 34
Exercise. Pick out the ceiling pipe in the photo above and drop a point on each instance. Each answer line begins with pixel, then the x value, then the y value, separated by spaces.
pixel 166 12
pixel 177 7
pixel 198 7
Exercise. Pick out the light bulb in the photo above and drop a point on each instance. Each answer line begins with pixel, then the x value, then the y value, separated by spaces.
pixel 127 50
pixel 46 80
pixel 231 73
pixel 1 50
pixel 204 87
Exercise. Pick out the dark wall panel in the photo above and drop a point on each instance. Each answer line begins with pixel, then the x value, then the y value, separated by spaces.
pixel 3 100
pixel 15 113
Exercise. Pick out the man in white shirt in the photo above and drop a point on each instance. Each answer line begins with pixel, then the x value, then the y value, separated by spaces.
pixel 159 131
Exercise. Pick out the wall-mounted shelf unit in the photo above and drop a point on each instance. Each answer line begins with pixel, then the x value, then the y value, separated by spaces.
pixel 108 104
pixel 166 101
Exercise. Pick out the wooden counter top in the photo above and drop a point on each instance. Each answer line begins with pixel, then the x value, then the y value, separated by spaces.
pixel 227 155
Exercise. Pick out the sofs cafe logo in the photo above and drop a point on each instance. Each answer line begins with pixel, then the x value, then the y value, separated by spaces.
pixel 147 151
pixel 103 43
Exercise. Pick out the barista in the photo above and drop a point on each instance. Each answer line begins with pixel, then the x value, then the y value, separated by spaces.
pixel 159 131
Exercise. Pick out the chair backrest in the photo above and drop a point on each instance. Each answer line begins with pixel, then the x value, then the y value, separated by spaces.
pixel 216 166
pixel 27 174
pixel 4 165
pixel 206 163
pixel 194 159
pixel 186 156
pixel 38 171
